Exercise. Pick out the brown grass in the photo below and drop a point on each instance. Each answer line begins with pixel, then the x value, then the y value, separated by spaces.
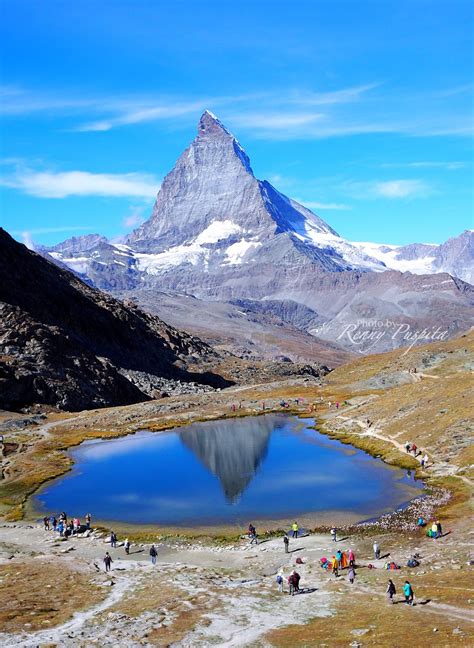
pixel 41 594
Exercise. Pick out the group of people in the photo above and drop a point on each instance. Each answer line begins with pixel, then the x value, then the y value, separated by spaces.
pixel 407 592
pixel 293 582
pixel 341 560
pixel 65 527
pixel 412 447
pixel 253 537
pixel 126 545
pixel 435 530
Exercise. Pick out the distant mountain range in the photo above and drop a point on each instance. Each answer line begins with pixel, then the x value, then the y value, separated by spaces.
pixel 219 235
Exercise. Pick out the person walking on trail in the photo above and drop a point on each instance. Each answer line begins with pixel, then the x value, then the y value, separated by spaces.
pixel 252 534
pixel 113 540
pixel 279 580
pixel 351 558
pixel 335 569
pixel 414 448
pixel 88 519
pixel 286 542
pixel 126 544
pixel 376 550
pixel 439 529
pixel 107 561
pixel 351 575
pixel 408 592
pixel 297 579
pixel 295 529
pixel 407 446
pixel 291 584
pixel 334 534
pixel 425 460
pixel 46 523
pixel 153 554
pixel 339 559
pixel 391 591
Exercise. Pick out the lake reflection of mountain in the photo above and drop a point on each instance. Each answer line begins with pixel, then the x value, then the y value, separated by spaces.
pixel 232 453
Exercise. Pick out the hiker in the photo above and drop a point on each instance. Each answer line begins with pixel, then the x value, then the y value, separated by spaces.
pixel 88 519
pixel 107 561
pixel 422 462
pixel 294 526
pixel 391 591
pixel 425 460
pixel 76 523
pixel 376 551
pixel 407 446
pixel 113 540
pixel 126 544
pixel 297 579
pixel 334 534
pixel 439 530
pixel 334 565
pixel 351 575
pixel 52 522
pixel 46 523
pixel 286 542
pixel 153 554
pixel 337 404
pixel 351 557
pixel 291 584
pixel 434 530
pixel 339 558
pixel 414 449
pixel 409 594
pixel 279 580
pixel 252 533
pixel 233 407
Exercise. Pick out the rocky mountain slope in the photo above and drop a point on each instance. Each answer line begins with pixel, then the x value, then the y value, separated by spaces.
pixel 219 234
pixel 65 344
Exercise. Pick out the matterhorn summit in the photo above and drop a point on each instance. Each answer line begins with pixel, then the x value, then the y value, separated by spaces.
pixel 211 198
pixel 219 236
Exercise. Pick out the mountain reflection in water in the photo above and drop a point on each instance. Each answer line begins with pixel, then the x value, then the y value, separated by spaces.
pixel 232 454
pixel 273 467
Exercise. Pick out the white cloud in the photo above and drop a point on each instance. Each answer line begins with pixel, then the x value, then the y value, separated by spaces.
pixel 53 230
pixel 450 166
pixel 135 217
pixel 138 115
pixel 320 205
pixel 276 120
pixel 401 188
pixel 345 95
pixel 50 184
pixel 28 240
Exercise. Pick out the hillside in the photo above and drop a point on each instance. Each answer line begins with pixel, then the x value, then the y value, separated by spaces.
pixel 67 345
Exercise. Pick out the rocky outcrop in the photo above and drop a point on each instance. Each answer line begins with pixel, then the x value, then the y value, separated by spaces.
pixel 67 345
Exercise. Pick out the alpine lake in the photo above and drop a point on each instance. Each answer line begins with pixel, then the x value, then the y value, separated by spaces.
pixel 273 467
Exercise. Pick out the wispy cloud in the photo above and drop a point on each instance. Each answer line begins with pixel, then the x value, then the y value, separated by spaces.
pixel 291 114
pixel 144 114
pixel 391 189
pixel 401 188
pixel 321 205
pixel 450 166
pixel 51 184
pixel 53 230
pixel 135 217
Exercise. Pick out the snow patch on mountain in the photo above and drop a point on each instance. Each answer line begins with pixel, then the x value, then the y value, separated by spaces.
pixel 236 252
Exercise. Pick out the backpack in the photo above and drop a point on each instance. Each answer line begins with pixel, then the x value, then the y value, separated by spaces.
pixel 279 579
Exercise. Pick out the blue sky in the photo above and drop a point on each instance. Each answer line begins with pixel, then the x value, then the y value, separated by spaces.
pixel 363 111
